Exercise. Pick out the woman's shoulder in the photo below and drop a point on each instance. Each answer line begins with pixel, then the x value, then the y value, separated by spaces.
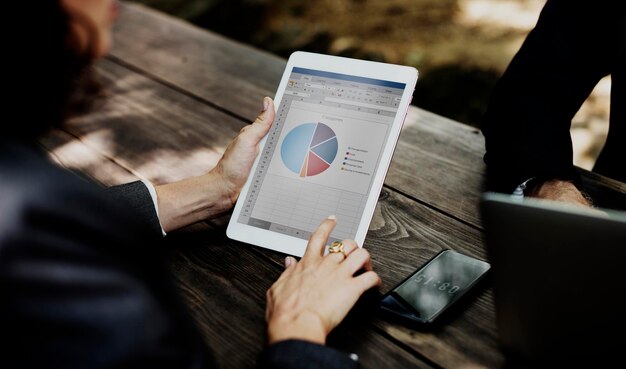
pixel 28 177
pixel 36 193
pixel 40 201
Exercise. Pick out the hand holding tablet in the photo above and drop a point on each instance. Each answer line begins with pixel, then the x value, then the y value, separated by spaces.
pixel 337 124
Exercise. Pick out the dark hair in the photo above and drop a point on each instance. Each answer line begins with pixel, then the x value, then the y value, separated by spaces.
pixel 51 80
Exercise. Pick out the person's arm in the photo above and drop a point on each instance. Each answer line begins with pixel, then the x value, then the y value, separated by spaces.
pixel 299 354
pixel 310 299
pixel 527 124
pixel 194 199
pixel 560 190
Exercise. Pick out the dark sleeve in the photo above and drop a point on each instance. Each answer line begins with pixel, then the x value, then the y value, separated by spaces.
pixel 136 196
pixel 82 286
pixel 527 124
pixel 304 355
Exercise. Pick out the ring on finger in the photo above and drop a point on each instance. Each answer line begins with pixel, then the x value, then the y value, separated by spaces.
pixel 336 247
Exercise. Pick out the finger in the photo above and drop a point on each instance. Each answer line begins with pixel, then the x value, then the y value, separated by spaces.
pixel 366 281
pixel 358 259
pixel 290 261
pixel 349 246
pixel 317 242
pixel 335 257
pixel 290 265
pixel 258 129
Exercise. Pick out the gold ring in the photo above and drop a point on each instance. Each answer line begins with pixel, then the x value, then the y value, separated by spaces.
pixel 337 247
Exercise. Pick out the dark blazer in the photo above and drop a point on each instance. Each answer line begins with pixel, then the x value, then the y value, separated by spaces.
pixel 83 283
pixel 527 124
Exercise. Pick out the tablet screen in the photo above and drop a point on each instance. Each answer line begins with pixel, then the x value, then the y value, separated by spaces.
pixel 321 153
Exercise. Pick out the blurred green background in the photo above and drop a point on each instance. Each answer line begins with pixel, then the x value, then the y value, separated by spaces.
pixel 460 47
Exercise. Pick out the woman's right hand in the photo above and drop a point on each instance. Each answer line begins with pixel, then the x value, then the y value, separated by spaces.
pixel 314 295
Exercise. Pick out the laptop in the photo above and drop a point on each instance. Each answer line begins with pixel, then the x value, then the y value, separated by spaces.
pixel 559 278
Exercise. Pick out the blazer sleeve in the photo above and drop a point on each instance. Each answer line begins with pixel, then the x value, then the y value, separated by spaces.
pixel 83 285
pixel 298 354
pixel 527 123
pixel 136 197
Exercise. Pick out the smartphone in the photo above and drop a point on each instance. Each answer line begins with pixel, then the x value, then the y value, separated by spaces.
pixel 433 288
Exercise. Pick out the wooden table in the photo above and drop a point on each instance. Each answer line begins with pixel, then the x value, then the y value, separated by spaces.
pixel 179 94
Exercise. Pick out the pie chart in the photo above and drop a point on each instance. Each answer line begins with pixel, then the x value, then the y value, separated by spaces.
pixel 309 149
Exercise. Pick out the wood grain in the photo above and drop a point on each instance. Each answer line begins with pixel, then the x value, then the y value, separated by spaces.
pixel 440 162
pixel 152 130
pixel 227 74
pixel 68 151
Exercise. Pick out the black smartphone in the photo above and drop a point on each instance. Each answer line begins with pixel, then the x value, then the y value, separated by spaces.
pixel 433 288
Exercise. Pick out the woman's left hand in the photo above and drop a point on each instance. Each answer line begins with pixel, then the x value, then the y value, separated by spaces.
pixel 197 198
pixel 236 163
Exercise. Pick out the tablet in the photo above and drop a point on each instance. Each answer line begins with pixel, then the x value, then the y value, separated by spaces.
pixel 327 153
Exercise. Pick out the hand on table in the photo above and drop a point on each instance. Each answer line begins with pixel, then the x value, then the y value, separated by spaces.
pixel 313 295
pixel 558 190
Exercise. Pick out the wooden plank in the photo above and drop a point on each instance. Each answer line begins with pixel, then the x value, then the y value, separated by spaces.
pixel 224 291
pixel 234 76
pixel 69 152
pixel 440 162
pixel 162 135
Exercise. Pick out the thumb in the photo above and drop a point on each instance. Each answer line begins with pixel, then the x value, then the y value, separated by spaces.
pixel 258 129
pixel 268 112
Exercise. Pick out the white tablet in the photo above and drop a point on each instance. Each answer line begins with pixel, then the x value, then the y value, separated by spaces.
pixel 327 153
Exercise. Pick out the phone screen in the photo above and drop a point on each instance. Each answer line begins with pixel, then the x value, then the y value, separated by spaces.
pixel 435 286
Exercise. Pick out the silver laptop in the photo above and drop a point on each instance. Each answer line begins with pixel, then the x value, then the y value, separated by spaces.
pixel 559 278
